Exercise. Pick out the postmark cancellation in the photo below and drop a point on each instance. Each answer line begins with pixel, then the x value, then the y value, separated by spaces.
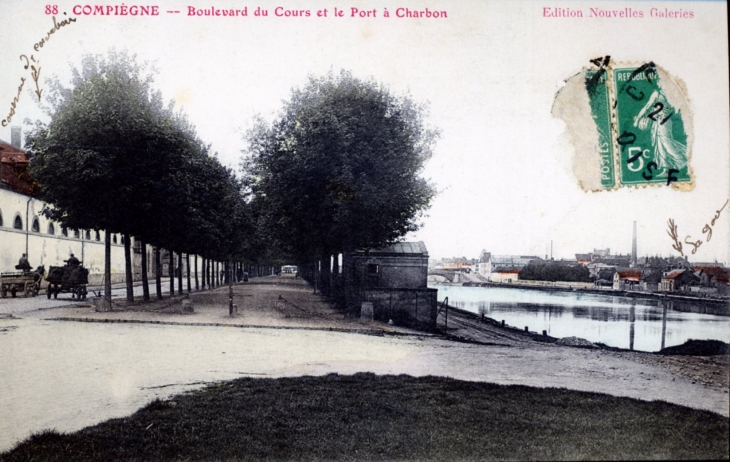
pixel 630 125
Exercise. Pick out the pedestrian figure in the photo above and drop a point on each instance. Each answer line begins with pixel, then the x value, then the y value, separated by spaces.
pixel 23 264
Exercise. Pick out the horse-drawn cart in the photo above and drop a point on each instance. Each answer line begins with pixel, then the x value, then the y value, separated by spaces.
pixel 69 278
pixel 27 282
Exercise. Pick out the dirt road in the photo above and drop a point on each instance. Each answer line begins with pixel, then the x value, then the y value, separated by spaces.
pixel 473 350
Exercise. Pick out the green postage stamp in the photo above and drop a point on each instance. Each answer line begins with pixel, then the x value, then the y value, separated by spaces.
pixel 629 124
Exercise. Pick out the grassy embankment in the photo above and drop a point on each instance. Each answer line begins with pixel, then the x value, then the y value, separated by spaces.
pixel 368 417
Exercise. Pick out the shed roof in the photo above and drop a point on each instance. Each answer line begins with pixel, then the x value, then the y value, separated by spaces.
pixel 402 248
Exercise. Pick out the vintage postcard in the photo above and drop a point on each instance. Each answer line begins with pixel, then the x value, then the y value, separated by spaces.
pixel 547 184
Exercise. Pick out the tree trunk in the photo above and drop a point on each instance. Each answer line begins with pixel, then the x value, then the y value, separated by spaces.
pixel 230 287
pixel 145 280
pixel 187 265
pixel 171 270
pixel 128 268
pixel 108 267
pixel 179 273
pixel 197 282
pixel 158 273
pixel 335 279
pixel 325 275
pixel 316 275
pixel 205 273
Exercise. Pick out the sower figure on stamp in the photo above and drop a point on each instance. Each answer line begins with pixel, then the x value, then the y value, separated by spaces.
pixel 23 264
pixel 668 152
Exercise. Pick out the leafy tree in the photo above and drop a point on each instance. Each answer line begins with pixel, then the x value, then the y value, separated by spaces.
pixel 114 157
pixel 554 271
pixel 340 168
pixel 90 159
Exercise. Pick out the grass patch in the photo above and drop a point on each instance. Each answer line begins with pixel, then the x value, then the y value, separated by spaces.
pixel 369 417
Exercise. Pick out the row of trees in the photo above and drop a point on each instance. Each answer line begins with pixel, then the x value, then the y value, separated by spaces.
pixel 338 170
pixel 115 157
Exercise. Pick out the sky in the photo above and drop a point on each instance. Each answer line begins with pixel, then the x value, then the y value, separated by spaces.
pixel 489 72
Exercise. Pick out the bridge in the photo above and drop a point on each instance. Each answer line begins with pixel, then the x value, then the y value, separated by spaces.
pixel 440 275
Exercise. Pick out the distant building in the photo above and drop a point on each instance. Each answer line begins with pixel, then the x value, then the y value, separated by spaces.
pixel 484 264
pixel 626 279
pixel 487 262
pixel 505 274
pixel 601 253
pixel 14 168
pixel 651 281
pixel 459 264
pixel 712 276
pixel 516 261
pixel 599 264
pixel 584 258
pixel 678 280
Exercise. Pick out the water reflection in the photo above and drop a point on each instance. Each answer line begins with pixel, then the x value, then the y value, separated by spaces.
pixel 624 322
pixel 632 330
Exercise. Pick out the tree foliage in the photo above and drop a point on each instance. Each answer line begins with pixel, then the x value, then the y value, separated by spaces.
pixel 554 271
pixel 114 157
pixel 340 168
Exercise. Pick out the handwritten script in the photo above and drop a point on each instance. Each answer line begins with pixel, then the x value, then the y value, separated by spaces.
pixel 673 233
pixel 35 68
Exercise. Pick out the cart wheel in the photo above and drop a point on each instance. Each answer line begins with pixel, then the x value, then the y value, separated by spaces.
pixel 4 292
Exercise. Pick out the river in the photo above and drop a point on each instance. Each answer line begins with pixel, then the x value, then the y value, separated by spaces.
pixel 622 322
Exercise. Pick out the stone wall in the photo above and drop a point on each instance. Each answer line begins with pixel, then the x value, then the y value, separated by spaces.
pixel 408 307
pixel 44 248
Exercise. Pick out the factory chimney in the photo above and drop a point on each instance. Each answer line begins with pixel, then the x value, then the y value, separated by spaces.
pixel 15 137
pixel 633 248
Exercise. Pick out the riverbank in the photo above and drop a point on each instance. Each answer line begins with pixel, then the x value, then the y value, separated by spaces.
pixel 707 369
pixel 721 303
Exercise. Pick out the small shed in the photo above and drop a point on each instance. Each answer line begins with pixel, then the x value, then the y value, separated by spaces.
pixel 391 283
